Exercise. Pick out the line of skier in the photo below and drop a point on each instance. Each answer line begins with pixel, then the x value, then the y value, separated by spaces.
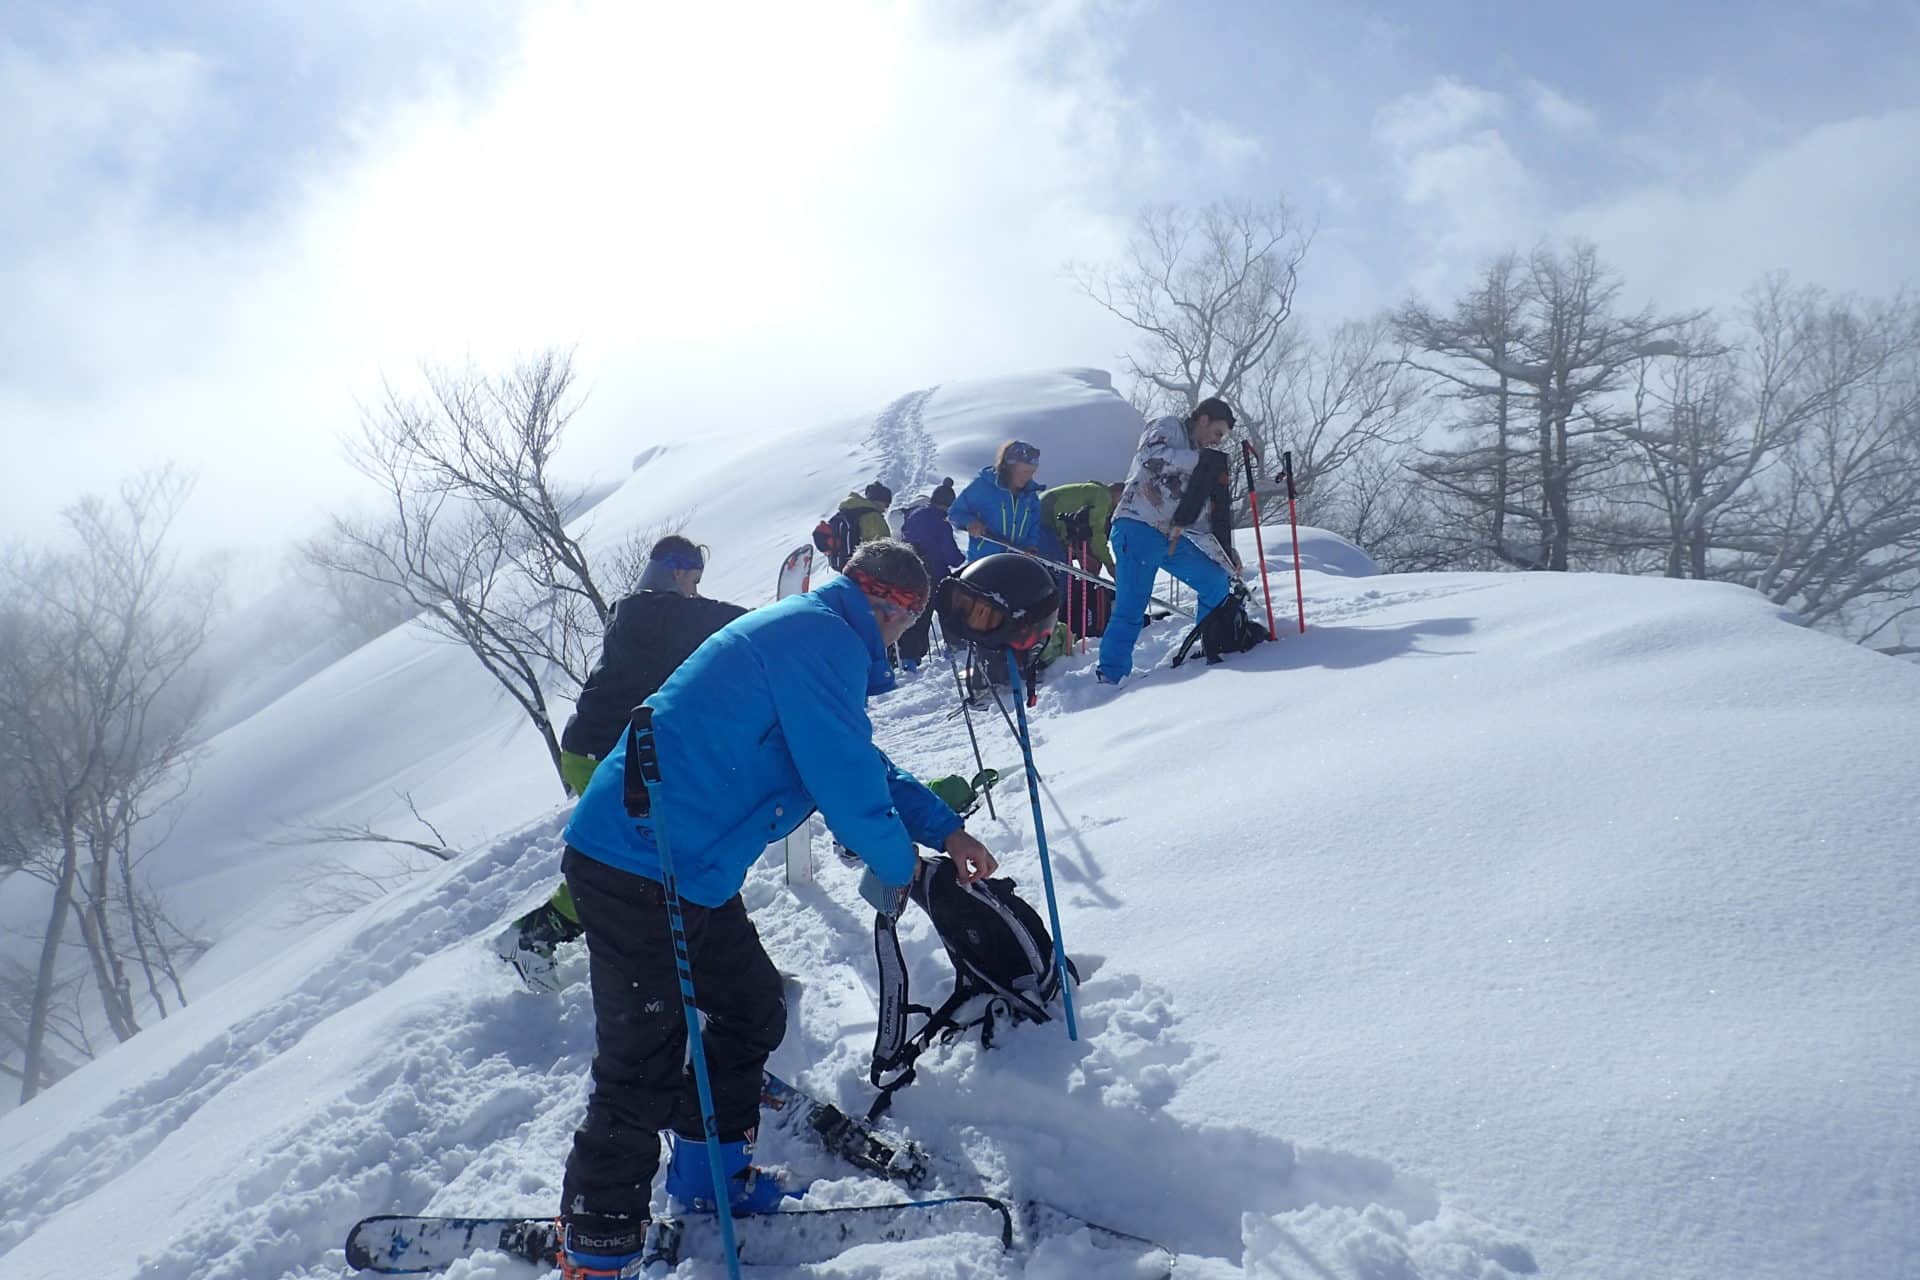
pixel 759 720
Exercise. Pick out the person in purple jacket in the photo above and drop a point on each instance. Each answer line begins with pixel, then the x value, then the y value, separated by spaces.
pixel 928 532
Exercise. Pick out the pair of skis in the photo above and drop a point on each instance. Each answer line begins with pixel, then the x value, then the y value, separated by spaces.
pixel 395 1244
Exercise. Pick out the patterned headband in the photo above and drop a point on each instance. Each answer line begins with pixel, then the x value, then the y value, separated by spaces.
pixel 899 597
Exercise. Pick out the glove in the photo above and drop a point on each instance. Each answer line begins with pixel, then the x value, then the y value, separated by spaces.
pixel 888 899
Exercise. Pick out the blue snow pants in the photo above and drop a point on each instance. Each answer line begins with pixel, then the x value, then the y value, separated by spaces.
pixel 1139 553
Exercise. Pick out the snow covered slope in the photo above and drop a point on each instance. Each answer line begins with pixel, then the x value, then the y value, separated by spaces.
pixel 410 715
pixel 1498 925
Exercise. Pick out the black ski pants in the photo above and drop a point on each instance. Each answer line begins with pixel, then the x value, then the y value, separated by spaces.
pixel 642 1081
pixel 918 640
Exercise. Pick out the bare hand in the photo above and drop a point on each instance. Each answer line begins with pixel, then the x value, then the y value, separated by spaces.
pixel 971 861
pixel 1238 567
pixel 1173 538
pixel 977 529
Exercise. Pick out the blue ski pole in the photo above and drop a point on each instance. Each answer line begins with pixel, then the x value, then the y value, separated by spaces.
pixel 1040 834
pixel 643 757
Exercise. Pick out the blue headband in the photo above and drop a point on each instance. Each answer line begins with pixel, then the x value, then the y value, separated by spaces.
pixel 678 560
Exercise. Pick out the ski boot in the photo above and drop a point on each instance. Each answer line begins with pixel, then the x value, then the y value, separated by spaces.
pixel 528 945
pixel 755 1190
pixel 601 1247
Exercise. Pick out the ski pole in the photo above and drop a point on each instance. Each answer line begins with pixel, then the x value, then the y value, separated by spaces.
pixel 1084 576
pixel 643 756
pixel 1259 545
pixel 1005 715
pixel 1293 522
pixel 1074 598
pixel 1046 864
pixel 966 711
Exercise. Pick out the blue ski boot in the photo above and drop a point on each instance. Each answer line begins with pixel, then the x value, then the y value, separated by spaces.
pixel 755 1190
pixel 601 1247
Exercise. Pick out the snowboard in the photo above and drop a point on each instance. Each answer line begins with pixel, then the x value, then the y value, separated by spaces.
pixel 796 574
pixel 402 1245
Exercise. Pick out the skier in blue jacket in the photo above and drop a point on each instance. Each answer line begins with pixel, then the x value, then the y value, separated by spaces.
pixel 763 724
pixel 1000 510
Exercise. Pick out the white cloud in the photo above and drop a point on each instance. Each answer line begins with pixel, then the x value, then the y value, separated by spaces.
pixel 1560 113
pixel 1415 122
pixel 1834 206
pixel 773 212
pixel 1225 149
pixel 1465 192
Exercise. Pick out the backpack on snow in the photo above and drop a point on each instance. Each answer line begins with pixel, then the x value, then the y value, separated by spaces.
pixel 1226 630
pixel 836 537
pixel 1004 972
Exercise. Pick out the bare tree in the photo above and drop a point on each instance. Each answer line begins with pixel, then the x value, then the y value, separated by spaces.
pixel 1481 486
pixel 64 1043
pixel 1348 407
pixel 1210 292
pixel 335 887
pixel 474 532
pixel 1715 427
pixel 98 729
pixel 358 608
pixel 1838 537
pixel 1548 330
pixel 492 440
pixel 1332 400
pixel 460 565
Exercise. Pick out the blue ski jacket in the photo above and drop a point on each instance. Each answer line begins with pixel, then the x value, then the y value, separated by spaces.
pixel 1012 520
pixel 765 723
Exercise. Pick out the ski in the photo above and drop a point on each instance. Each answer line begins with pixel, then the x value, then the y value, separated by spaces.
pixel 796 572
pixel 874 1149
pixel 826 1126
pixel 400 1245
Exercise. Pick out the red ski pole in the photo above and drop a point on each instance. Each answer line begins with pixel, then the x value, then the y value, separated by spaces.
pixel 1259 543
pixel 1293 520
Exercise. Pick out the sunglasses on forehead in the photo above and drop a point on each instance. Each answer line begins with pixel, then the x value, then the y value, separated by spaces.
pixel 1020 451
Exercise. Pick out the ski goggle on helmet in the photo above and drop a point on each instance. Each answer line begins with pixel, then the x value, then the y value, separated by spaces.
pixel 1003 601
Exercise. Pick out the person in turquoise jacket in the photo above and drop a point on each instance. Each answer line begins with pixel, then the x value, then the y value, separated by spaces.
pixel 1000 510
pixel 763 724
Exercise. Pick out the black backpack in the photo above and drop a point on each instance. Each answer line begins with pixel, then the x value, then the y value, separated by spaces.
pixel 1004 972
pixel 836 537
pixel 1226 630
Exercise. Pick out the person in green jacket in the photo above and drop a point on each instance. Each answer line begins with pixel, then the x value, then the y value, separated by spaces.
pixel 1081 517
pixel 861 518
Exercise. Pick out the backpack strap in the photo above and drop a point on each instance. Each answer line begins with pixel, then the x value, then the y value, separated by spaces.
pixel 1186 646
pixel 891 1049
pixel 943 1022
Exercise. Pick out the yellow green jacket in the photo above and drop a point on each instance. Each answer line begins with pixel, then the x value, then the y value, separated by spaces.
pixel 1058 503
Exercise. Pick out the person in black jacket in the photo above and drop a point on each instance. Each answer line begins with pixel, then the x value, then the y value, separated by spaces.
pixel 650 634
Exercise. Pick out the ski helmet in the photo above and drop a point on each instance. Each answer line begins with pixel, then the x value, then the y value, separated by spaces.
pixel 1003 601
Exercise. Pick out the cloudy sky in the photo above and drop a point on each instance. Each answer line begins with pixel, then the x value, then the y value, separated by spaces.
pixel 221 224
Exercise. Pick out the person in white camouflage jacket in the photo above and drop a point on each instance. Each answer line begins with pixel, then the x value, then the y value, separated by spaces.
pixel 1179 474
